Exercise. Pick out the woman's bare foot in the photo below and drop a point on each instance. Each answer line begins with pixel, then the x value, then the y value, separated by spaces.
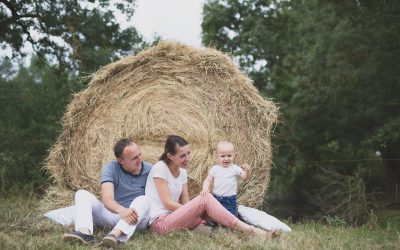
pixel 259 232
pixel 272 234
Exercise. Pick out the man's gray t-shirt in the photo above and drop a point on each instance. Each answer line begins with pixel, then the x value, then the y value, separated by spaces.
pixel 126 185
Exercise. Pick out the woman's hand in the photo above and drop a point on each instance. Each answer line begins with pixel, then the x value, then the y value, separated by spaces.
pixel 204 192
pixel 206 185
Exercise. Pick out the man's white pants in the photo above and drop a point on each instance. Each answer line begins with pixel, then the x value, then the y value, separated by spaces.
pixel 89 211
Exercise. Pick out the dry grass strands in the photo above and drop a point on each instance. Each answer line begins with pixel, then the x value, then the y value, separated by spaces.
pixel 167 89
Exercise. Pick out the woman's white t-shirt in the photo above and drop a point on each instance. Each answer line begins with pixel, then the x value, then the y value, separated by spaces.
pixel 161 170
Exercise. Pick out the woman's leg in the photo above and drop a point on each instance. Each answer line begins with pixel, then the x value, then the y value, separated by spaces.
pixel 240 225
pixel 219 213
pixel 188 216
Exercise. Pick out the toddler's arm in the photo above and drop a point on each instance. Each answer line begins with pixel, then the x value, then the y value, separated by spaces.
pixel 245 174
pixel 206 185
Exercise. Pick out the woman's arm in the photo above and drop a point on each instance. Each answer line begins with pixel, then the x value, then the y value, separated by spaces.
pixel 163 192
pixel 206 185
pixel 185 194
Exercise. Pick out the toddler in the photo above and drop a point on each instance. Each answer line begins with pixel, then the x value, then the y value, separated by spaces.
pixel 225 176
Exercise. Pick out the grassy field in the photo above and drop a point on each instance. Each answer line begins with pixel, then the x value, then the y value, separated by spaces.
pixel 22 227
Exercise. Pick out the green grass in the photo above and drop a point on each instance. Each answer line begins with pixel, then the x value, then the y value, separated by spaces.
pixel 22 227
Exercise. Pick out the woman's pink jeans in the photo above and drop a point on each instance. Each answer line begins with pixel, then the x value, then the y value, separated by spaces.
pixel 192 214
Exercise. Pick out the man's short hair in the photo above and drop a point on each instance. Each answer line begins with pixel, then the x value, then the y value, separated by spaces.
pixel 120 146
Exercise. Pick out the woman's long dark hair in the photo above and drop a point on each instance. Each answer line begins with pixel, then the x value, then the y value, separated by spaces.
pixel 170 146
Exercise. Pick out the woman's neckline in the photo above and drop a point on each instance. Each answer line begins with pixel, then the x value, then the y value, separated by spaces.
pixel 174 173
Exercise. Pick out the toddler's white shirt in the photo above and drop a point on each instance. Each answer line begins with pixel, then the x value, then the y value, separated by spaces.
pixel 225 179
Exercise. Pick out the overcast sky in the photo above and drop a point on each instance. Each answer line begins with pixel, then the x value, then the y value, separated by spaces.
pixel 177 20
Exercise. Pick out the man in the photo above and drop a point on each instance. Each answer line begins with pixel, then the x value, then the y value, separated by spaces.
pixel 124 206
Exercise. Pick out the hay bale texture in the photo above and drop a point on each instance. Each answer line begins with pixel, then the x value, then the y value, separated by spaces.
pixel 167 89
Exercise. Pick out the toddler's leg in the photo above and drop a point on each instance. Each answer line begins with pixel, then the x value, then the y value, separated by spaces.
pixel 229 203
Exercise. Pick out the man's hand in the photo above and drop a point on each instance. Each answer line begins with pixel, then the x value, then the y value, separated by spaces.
pixel 129 215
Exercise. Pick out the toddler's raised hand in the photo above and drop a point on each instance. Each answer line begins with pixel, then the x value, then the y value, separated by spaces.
pixel 246 167
pixel 245 174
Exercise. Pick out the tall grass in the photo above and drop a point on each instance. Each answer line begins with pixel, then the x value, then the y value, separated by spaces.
pixel 22 227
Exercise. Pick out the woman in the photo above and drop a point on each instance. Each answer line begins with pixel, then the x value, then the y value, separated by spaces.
pixel 168 192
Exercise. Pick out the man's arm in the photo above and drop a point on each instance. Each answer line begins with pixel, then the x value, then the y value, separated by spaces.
pixel 107 196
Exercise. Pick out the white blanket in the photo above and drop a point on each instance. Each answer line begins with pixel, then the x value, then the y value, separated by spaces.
pixel 65 216
pixel 261 219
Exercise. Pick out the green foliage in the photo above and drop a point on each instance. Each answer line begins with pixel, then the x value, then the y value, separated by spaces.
pixel 334 221
pixel 332 68
pixel 77 35
pixel 386 136
pixel 70 40
pixel 32 104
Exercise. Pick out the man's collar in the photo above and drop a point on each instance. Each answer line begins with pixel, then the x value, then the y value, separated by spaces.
pixel 141 169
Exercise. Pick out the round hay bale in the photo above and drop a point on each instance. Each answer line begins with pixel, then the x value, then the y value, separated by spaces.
pixel 167 89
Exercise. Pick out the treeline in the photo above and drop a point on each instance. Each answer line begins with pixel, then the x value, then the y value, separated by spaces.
pixel 332 67
pixel 70 40
pixel 32 103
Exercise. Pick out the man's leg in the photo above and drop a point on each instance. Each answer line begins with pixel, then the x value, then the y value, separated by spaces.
pixel 89 210
pixel 142 206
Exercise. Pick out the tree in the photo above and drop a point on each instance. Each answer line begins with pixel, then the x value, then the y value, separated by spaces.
pixel 332 67
pixel 32 103
pixel 77 35
pixel 69 39
pixel 247 29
